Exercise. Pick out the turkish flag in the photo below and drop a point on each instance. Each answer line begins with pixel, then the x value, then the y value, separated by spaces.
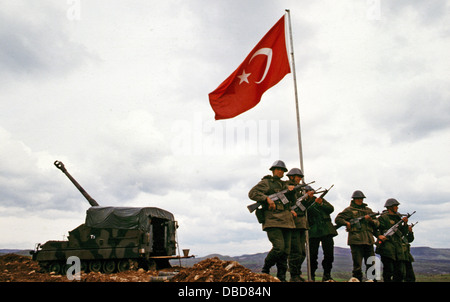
pixel 264 67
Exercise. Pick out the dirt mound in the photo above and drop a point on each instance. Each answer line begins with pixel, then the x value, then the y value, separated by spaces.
pixel 216 270
pixel 16 268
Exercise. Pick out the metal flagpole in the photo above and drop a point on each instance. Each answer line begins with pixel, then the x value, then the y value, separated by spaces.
pixel 296 93
pixel 308 263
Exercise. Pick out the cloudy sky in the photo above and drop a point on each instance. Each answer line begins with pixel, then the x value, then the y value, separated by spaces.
pixel 118 91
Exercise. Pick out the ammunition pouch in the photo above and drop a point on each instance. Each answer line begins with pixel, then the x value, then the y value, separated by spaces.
pixel 279 206
pixel 260 215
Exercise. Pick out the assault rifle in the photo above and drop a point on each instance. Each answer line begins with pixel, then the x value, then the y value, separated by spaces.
pixel 298 206
pixel 357 221
pixel 413 224
pixel 299 202
pixel 277 196
pixel 404 237
pixel 393 229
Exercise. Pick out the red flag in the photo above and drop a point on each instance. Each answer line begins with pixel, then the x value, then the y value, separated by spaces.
pixel 264 67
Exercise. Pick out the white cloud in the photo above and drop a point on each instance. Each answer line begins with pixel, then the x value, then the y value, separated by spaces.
pixel 35 43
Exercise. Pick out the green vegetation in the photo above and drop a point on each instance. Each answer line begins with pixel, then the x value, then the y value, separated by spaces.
pixel 433 278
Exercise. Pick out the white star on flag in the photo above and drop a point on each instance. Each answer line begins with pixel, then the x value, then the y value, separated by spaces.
pixel 243 77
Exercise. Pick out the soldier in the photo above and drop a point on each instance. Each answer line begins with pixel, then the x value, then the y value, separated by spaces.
pixel 298 240
pixel 410 276
pixel 392 249
pixel 321 231
pixel 360 237
pixel 277 221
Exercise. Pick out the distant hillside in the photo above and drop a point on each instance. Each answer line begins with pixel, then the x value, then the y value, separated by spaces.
pixel 15 251
pixel 428 261
pixel 431 261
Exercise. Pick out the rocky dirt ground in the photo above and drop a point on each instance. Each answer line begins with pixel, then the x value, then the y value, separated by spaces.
pixel 16 268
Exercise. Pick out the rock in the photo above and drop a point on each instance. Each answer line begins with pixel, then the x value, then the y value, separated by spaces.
pixel 216 270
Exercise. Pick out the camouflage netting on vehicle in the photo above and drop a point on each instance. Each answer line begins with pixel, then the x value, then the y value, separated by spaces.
pixel 129 218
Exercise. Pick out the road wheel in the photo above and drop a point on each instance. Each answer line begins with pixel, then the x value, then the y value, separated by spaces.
pixel 65 268
pixel 84 266
pixel 55 267
pixel 123 265
pixel 95 266
pixel 109 266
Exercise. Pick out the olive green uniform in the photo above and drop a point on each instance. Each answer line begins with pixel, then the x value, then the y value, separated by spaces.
pixel 410 276
pixel 393 250
pixel 322 231
pixel 298 240
pixel 360 240
pixel 278 223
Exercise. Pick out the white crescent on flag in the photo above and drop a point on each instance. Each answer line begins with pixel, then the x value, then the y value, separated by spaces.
pixel 268 53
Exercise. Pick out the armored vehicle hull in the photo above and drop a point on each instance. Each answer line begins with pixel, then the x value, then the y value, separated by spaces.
pixel 114 239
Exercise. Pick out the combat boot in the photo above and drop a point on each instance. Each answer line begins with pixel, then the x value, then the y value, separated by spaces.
pixel 294 278
pixel 327 277
pixel 297 278
pixel 265 269
pixel 281 271
pixel 281 276
pixel 268 263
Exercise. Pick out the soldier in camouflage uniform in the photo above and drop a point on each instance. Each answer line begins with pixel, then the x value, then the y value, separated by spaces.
pixel 321 231
pixel 393 250
pixel 410 276
pixel 360 239
pixel 298 240
pixel 278 221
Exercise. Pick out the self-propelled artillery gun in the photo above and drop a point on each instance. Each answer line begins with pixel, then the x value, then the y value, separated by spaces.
pixel 113 239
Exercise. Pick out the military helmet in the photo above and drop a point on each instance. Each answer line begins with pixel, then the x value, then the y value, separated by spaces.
pixel 358 195
pixel 278 164
pixel 308 188
pixel 391 202
pixel 295 171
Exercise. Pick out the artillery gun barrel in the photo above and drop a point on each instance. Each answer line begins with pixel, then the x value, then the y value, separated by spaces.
pixel 91 200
